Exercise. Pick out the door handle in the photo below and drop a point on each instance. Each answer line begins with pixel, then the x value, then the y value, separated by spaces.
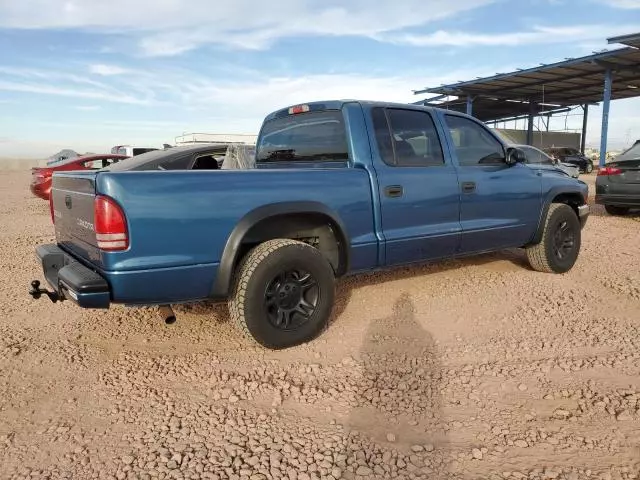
pixel 394 191
pixel 468 187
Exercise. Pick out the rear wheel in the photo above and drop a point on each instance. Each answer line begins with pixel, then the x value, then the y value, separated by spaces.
pixel 615 210
pixel 589 167
pixel 558 250
pixel 283 295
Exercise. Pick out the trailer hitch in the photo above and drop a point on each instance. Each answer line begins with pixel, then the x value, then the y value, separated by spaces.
pixel 36 292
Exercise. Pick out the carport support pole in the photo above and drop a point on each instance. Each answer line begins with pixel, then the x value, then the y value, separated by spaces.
pixel 469 105
pixel 606 100
pixel 532 110
pixel 585 115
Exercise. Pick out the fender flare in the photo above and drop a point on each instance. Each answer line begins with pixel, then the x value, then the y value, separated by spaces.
pixel 548 200
pixel 222 283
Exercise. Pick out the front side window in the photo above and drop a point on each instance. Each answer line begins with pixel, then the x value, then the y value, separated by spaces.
pixel 407 138
pixel 308 137
pixel 532 155
pixel 474 145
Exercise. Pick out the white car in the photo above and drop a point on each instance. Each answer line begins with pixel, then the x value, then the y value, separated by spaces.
pixel 130 150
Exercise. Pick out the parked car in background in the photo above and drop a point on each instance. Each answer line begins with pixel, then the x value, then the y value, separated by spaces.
pixel 61 156
pixel 196 156
pixel 536 157
pixel 41 176
pixel 618 183
pixel 571 156
pixel 339 187
pixel 131 151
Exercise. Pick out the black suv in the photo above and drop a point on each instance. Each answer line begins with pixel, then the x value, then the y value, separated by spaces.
pixel 572 156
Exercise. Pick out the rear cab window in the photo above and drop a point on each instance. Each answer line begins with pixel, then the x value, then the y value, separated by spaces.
pixel 407 138
pixel 309 137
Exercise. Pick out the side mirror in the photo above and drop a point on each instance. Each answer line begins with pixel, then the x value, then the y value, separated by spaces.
pixel 515 155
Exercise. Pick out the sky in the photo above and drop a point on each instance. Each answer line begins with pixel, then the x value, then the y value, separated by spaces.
pixel 91 74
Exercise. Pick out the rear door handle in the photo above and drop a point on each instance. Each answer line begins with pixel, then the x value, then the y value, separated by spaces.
pixel 394 191
pixel 468 187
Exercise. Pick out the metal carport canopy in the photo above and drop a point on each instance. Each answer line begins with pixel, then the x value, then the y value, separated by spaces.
pixel 574 81
pixel 603 76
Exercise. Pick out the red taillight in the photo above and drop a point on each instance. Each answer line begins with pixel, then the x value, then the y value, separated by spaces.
pixel 298 109
pixel 42 174
pixel 608 171
pixel 110 225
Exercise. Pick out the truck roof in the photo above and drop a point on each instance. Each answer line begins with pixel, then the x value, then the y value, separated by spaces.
pixel 337 105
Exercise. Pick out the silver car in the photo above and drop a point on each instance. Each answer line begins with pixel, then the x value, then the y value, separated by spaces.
pixel 535 156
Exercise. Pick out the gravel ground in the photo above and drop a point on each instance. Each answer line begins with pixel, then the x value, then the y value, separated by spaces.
pixel 476 368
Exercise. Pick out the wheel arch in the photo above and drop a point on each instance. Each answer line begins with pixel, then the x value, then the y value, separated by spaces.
pixel 572 198
pixel 282 220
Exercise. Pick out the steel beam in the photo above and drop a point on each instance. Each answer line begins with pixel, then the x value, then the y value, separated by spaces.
pixel 469 105
pixel 585 115
pixel 606 101
pixel 532 112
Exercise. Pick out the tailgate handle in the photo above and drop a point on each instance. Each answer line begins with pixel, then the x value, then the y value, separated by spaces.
pixel 67 201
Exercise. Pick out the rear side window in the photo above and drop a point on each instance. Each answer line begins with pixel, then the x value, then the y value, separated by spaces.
pixel 307 137
pixel 407 138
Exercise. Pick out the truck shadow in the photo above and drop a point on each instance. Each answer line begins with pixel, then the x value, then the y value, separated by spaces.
pixel 515 259
pixel 345 286
pixel 399 404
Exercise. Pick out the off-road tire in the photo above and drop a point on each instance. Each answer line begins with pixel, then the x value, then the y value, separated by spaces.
pixel 256 271
pixel 616 210
pixel 542 257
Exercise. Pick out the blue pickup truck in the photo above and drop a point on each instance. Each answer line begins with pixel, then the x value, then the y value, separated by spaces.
pixel 339 187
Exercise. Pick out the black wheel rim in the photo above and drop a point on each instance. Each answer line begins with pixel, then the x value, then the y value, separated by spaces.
pixel 291 299
pixel 564 240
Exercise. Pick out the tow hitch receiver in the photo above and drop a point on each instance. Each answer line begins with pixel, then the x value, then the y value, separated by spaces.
pixel 36 292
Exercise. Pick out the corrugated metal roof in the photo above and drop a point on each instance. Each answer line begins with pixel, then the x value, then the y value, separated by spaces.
pixel 488 109
pixel 632 40
pixel 571 82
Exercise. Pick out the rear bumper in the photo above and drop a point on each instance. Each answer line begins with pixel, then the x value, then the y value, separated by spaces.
pixel 618 200
pixel 71 280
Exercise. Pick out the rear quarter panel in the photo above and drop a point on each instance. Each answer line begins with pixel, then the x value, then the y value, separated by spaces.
pixel 182 219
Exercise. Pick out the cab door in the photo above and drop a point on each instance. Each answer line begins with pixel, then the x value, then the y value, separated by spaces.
pixel 418 186
pixel 500 204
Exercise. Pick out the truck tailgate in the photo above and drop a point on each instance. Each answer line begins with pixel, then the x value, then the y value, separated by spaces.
pixel 73 196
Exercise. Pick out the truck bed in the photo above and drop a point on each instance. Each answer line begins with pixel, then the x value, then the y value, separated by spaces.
pixel 178 238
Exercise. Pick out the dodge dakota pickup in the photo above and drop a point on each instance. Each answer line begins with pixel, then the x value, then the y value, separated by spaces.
pixel 339 187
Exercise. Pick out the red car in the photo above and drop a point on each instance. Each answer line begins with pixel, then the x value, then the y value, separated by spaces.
pixel 41 176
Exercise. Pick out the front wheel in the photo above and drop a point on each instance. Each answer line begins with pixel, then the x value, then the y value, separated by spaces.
pixel 615 210
pixel 558 250
pixel 283 294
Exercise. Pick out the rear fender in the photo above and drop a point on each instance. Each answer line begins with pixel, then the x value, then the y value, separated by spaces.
pixel 229 259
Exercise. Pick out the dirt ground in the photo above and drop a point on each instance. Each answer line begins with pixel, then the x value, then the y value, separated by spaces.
pixel 468 369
